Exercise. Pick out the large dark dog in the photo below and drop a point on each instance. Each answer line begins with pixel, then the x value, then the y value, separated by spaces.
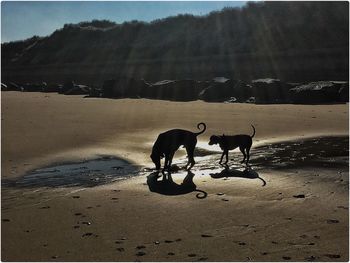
pixel 169 142
pixel 226 143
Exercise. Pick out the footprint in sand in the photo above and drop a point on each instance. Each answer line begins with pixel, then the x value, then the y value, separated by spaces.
pixel 140 247
pixel 332 256
pixel 332 221
pixel 202 259
pixel 299 196
pixel 76 196
pixel 168 241
pixel 120 249
pixel 286 258
pixel 78 214
pixel 140 253
pixel 45 207
pixel 5 220
pixel 191 255
pixel 171 254
pixel 224 199
pixel 204 235
pixel 311 258
pixel 242 243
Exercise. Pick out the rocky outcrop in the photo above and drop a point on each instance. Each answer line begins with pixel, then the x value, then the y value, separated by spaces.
pixel 34 87
pixel 124 88
pixel 223 89
pixel 177 90
pixel 78 90
pixel 318 92
pixel 270 91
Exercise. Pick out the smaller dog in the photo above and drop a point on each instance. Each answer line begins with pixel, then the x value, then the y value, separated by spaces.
pixel 226 143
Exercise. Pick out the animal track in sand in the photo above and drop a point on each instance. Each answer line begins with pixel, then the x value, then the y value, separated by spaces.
pixel 140 247
pixel 332 256
pixel 332 221
pixel 140 253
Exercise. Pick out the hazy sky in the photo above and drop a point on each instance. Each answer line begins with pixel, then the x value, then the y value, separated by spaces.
pixel 21 20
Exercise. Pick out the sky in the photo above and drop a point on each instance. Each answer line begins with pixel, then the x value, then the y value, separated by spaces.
pixel 24 19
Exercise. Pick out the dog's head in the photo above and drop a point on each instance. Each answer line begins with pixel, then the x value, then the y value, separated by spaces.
pixel 214 139
pixel 156 159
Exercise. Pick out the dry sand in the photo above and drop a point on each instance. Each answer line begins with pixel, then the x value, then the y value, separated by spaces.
pixel 124 221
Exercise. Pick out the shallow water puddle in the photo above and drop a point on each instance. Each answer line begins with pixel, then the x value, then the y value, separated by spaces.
pixel 330 152
pixel 84 174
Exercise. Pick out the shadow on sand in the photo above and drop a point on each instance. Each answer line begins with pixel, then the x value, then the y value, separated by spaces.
pixel 166 186
pixel 248 173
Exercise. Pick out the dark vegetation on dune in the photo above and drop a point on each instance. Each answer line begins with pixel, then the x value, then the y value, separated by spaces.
pixel 301 43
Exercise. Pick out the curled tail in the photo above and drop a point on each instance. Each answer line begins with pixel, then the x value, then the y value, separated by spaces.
pixel 253 132
pixel 204 128
pixel 201 195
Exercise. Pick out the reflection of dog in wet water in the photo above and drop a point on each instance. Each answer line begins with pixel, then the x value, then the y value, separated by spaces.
pixel 167 186
pixel 169 142
pixel 226 143
pixel 246 173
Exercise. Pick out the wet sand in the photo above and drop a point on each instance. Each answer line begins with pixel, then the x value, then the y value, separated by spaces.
pixel 213 213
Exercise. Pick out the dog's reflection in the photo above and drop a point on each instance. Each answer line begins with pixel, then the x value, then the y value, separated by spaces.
pixel 166 186
pixel 248 173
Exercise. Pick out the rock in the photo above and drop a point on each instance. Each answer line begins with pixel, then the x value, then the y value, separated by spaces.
pixel 315 92
pixel 11 86
pixel 68 85
pixel 34 87
pixel 270 91
pixel 222 89
pixel 175 90
pixel 52 88
pixel 343 92
pixel 123 87
pixel 4 87
pixel 78 90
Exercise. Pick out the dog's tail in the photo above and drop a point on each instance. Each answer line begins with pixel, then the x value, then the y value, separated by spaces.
pixel 253 132
pixel 204 128
pixel 201 194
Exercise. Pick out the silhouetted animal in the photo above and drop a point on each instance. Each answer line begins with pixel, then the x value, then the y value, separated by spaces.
pixel 167 186
pixel 169 142
pixel 226 143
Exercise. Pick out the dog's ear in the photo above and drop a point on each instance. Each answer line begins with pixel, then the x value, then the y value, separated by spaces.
pixel 162 156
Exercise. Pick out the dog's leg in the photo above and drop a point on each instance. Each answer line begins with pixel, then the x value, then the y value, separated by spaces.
pixel 242 151
pixel 166 162
pixel 226 153
pixel 248 155
pixel 171 156
pixel 222 156
pixel 190 154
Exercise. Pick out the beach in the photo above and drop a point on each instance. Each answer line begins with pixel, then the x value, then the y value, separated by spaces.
pixel 299 214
